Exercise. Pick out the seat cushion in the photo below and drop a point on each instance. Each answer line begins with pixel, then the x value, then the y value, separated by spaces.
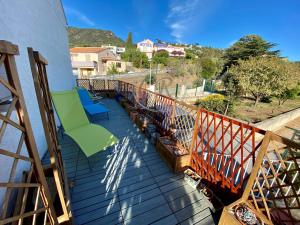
pixel 92 138
pixel 95 109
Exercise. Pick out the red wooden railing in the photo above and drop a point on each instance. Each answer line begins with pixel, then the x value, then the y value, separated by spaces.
pixel 222 149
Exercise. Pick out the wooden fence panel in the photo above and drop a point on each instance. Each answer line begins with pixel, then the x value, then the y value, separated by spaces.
pixel 38 67
pixel 85 83
pixel 35 204
pixel 224 149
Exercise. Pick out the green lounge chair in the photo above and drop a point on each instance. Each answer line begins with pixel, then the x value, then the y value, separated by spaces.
pixel 90 137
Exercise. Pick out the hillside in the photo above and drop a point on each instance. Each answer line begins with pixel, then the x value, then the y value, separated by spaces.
pixel 92 37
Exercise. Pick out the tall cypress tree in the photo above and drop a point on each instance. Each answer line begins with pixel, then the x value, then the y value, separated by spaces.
pixel 129 43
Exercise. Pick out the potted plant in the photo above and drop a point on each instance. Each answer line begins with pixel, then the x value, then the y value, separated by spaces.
pixel 192 178
pixel 245 215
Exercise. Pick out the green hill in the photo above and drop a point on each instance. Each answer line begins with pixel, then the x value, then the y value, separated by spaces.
pixel 92 37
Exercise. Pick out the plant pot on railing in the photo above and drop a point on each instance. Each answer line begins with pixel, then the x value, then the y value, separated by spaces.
pixel 151 133
pixel 239 213
pixel 245 215
pixel 133 114
pixel 123 101
pixel 176 157
pixel 111 94
pixel 142 122
pixel 192 178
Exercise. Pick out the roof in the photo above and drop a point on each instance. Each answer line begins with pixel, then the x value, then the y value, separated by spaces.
pixel 86 50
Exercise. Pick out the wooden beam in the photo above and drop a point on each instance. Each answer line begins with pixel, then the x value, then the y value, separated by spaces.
pixel 7 47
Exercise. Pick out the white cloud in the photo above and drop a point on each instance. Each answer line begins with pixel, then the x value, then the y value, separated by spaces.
pixel 79 16
pixel 184 15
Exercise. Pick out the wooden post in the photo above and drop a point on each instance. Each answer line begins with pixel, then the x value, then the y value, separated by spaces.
pixel 38 67
pixel 9 50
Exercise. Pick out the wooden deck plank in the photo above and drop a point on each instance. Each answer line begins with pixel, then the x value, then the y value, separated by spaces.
pixel 151 216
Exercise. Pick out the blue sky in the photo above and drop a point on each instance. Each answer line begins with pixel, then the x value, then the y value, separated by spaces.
pixel 216 23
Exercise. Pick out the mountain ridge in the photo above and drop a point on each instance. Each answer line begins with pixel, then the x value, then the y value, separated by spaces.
pixel 89 37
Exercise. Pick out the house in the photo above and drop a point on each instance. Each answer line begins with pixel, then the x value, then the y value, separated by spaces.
pixel 42 26
pixel 146 46
pixel 114 49
pixel 91 61
pixel 174 51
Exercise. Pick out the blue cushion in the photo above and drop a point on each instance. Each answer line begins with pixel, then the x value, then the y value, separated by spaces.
pixel 85 97
pixel 95 109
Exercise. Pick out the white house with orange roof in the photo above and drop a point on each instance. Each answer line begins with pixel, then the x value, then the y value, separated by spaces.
pixel 92 61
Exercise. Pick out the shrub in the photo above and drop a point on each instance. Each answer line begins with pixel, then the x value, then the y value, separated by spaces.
pixel 153 79
pixel 216 103
pixel 112 70
pixel 266 99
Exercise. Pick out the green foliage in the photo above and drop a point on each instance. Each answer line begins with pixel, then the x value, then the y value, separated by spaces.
pixel 129 42
pixel 209 52
pixel 79 37
pixel 160 57
pixel 216 103
pixel 288 94
pixel 189 54
pixel 139 59
pixel 182 67
pixel 262 76
pixel 198 82
pixel 153 78
pixel 214 54
pixel 248 46
pixel 112 70
pixel 209 68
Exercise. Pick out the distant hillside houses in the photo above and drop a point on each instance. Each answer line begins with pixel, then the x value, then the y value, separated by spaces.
pixel 114 49
pixel 148 47
pixel 92 61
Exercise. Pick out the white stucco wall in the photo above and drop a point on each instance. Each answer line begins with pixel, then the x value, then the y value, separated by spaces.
pixel 39 24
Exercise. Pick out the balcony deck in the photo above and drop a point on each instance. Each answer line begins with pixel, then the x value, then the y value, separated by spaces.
pixel 129 183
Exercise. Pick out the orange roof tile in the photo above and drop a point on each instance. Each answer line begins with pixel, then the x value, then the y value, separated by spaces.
pixel 86 49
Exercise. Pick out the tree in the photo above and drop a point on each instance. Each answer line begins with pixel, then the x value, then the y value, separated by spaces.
pixel 246 47
pixel 112 70
pixel 129 42
pixel 292 90
pixel 161 57
pixel 139 59
pixel 209 68
pixel 288 94
pixel 262 76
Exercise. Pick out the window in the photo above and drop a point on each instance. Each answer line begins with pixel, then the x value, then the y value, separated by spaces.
pixel 119 65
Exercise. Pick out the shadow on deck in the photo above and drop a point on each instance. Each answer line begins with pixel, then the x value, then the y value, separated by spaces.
pixel 129 183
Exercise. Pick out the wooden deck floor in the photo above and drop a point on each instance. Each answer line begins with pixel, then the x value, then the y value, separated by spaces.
pixel 129 183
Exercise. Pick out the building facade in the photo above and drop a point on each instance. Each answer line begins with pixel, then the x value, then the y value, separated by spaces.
pixel 42 26
pixel 174 51
pixel 146 46
pixel 114 49
pixel 92 61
